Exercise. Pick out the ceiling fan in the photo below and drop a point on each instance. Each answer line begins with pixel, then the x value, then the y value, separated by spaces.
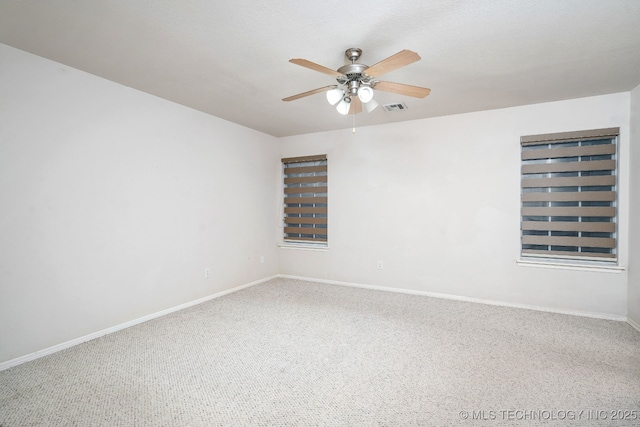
pixel 357 82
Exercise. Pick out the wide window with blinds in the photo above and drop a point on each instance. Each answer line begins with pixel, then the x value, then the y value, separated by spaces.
pixel 569 188
pixel 305 199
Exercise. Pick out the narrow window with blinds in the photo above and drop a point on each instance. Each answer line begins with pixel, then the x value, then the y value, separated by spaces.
pixel 305 199
pixel 569 189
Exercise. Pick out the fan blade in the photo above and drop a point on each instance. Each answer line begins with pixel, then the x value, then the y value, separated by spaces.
pixel 311 92
pixel 356 105
pixel 316 67
pixel 399 88
pixel 400 59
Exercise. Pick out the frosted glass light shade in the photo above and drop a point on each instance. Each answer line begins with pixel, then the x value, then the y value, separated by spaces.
pixel 371 105
pixel 343 107
pixel 365 93
pixel 334 95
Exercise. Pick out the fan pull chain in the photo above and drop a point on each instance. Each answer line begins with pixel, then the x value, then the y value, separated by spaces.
pixel 354 123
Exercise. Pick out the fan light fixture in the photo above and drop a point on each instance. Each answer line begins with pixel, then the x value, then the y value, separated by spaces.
pixel 365 93
pixel 344 105
pixel 371 105
pixel 334 95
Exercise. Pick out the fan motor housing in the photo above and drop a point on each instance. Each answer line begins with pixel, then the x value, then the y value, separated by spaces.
pixel 353 72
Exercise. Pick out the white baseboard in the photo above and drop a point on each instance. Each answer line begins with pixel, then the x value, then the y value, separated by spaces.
pixel 633 324
pixel 44 352
pixel 58 347
pixel 466 299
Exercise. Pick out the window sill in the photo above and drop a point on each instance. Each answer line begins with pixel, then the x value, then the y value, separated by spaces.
pixel 304 246
pixel 568 265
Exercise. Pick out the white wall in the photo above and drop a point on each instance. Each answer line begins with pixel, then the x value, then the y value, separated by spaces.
pixel 114 201
pixel 634 230
pixel 438 201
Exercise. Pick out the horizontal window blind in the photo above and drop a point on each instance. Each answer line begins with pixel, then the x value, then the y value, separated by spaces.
pixel 569 194
pixel 305 198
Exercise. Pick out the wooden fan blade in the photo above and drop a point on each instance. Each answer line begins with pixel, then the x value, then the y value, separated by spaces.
pixel 399 88
pixel 356 105
pixel 311 92
pixel 316 67
pixel 400 59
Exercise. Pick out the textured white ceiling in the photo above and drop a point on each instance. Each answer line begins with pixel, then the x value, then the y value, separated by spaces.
pixel 230 58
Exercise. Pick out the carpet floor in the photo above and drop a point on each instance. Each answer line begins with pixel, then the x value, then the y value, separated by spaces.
pixel 295 353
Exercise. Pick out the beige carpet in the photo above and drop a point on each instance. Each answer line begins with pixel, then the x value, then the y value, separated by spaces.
pixel 292 353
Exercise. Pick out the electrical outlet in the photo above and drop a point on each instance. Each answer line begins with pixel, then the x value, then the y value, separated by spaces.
pixel 207 272
pixel 380 265
pixel 262 259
